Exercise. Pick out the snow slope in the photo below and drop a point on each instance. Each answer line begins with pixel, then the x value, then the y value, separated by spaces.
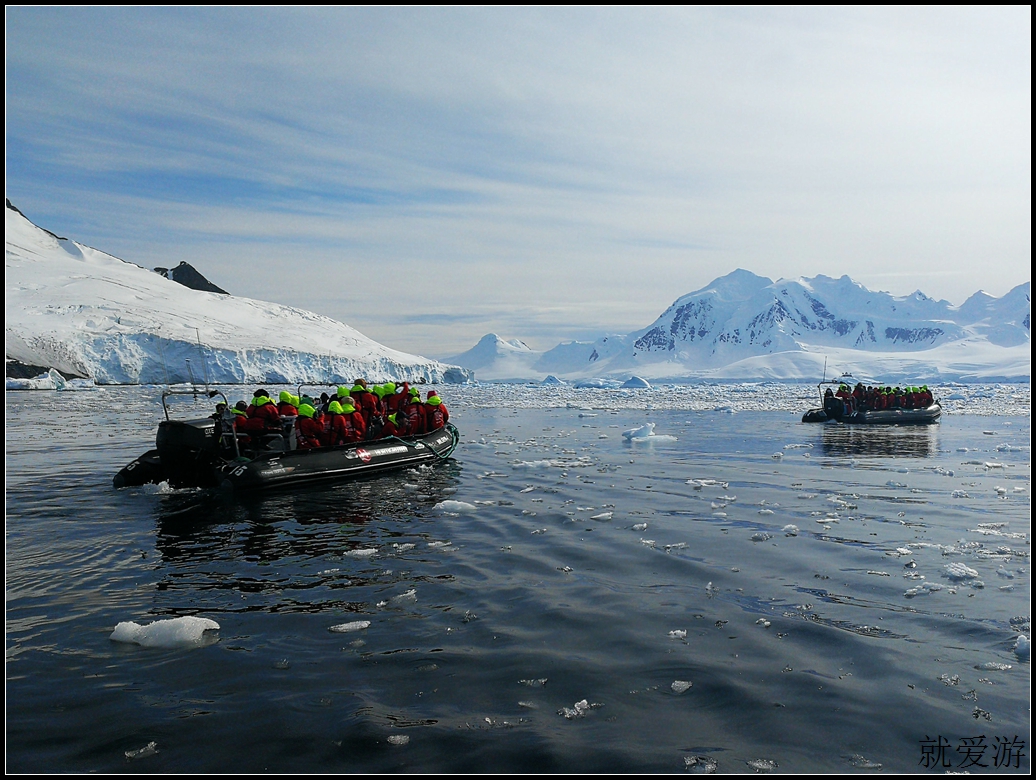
pixel 744 326
pixel 85 312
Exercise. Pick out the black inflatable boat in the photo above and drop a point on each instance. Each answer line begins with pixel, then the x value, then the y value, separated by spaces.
pixel 205 453
pixel 834 409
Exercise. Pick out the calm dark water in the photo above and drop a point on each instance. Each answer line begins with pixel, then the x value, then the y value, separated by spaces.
pixel 569 572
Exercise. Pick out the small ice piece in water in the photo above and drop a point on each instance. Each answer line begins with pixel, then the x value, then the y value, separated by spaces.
pixel 409 597
pixel 345 628
pixel 364 553
pixel 678 633
pixel 860 762
pixel 174 632
pixel 958 571
pixel 994 666
pixel 700 765
pixel 398 739
pixel 1021 647
pixel 641 432
pixel 148 750
pixel 959 494
pixel 578 710
pixel 640 527
pixel 790 530
pixel 602 516
pixel 763 622
pixel 778 456
pixel 456 507
pixel 766 511
pixel 1002 572
pixel 762 765
pixel 680 686
pixel 761 537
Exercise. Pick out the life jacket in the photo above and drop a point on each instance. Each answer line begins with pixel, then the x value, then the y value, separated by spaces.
pixel 346 428
pixel 267 412
pixel 309 432
pixel 415 419
pixel 435 416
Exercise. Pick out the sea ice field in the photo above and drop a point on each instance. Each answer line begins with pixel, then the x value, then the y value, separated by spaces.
pixel 675 579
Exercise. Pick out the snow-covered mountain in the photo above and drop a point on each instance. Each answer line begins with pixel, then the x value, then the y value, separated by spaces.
pixel 90 314
pixel 744 326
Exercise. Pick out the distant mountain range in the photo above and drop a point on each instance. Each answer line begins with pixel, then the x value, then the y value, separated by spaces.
pixel 88 314
pixel 744 326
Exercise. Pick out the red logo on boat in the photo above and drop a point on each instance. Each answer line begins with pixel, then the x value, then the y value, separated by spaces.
pixel 364 455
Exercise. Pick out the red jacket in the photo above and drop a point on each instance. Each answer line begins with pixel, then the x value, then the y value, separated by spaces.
pixel 415 419
pixel 435 416
pixel 344 428
pixel 309 433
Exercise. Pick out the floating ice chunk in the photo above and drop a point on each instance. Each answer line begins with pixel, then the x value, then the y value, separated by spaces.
pixel 528 489
pixel 892 484
pixel 602 516
pixel 766 511
pixel 366 552
pixel 640 432
pixel 762 536
pixel 991 465
pixel 439 545
pixel 680 686
pixel 994 666
pixel 174 632
pixel 860 762
pixel 398 739
pixel 1021 647
pixel 148 750
pixel 700 765
pixel 959 494
pixel 587 414
pixel 797 446
pixel 456 507
pixel 345 628
pixel 678 633
pixel 790 530
pixel 578 710
pixel 636 382
pixel 762 765
pixel 778 456
pixel 1003 572
pixel 763 622
pixel 640 527
pixel 537 683
pixel 958 571
pixel 408 597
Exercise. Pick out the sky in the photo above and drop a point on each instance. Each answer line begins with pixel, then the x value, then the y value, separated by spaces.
pixel 430 175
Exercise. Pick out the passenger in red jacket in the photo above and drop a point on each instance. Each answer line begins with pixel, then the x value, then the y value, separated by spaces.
pixel 395 425
pixel 435 414
pixel 288 406
pixel 309 431
pixel 413 411
pixel 343 424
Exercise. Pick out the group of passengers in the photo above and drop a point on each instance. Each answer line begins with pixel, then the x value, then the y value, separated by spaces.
pixel 351 414
pixel 870 398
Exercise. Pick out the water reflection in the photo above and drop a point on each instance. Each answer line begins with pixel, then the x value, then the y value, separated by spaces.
pixel 881 441
pixel 209 541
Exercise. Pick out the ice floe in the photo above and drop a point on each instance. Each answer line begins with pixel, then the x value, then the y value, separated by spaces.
pixel 174 632
pixel 345 628
pixel 456 507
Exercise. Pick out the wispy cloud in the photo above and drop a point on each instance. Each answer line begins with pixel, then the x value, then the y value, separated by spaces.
pixel 537 163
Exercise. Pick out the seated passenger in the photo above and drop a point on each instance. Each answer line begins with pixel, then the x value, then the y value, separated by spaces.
pixel 308 429
pixel 288 405
pixel 343 424
pixel 435 414
pixel 413 413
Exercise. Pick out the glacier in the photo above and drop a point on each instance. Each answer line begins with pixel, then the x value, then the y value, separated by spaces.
pixel 88 314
